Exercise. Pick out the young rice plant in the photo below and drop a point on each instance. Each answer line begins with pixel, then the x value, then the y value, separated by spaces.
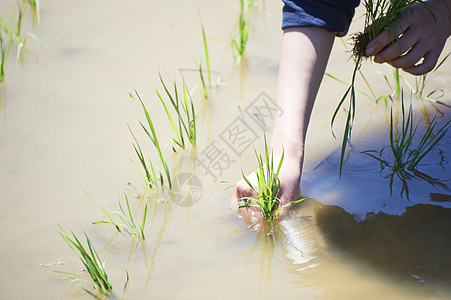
pixel 128 218
pixel 267 199
pixel 240 41
pixel 184 111
pixel 152 179
pixel 91 260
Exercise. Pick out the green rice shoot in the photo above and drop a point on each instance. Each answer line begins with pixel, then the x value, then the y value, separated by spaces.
pixel 153 182
pixel 91 261
pixel 185 115
pixel 127 217
pixel 35 7
pixel 205 87
pixel 239 43
pixel 152 135
pixel 267 200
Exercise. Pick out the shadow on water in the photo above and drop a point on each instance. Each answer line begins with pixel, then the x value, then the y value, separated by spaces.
pixel 396 223
pixel 412 248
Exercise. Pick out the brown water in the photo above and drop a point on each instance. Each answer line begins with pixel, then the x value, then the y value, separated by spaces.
pixel 64 129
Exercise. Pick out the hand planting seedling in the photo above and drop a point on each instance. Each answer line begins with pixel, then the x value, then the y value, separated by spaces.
pixel 268 183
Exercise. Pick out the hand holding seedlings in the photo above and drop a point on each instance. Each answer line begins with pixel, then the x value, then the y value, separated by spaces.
pixel 421 33
pixel 261 196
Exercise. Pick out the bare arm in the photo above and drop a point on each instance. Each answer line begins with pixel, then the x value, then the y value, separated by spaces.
pixel 305 52
pixel 423 38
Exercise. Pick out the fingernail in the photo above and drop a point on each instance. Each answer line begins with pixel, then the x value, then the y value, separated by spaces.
pixel 370 51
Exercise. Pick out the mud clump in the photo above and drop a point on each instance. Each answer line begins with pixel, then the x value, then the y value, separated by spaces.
pixel 360 41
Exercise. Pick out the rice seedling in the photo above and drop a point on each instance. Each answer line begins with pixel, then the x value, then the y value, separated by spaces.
pixel 268 187
pixel 240 41
pixel 128 218
pixel 10 35
pixel 6 39
pixel 205 88
pixel 152 134
pixel 405 155
pixel 351 91
pixel 184 109
pixel 91 260
pixel 2 57
pixel 34 4
pixel 371 95
pixel 153 182
pixel 380 15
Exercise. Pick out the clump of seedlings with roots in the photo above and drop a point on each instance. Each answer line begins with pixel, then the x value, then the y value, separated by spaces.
pixel 380 16
pixel 268 187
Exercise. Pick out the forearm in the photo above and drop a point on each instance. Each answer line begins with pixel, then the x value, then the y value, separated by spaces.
pixel 305 52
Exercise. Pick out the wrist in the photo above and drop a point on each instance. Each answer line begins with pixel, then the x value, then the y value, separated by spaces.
pixel 292 151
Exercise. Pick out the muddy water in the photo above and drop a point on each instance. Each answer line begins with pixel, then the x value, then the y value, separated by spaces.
pixel 64 129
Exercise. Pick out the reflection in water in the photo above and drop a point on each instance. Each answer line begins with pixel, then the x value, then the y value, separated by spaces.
pixel 406 176
pixel 268 239
pixel 137 248
pixel 365 188
pixel 2 97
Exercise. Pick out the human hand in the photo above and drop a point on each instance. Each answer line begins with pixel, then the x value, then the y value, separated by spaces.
pixel 289 176
pixel 421 38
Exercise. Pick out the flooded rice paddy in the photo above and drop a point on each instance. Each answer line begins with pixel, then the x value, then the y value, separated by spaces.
pixel 64 129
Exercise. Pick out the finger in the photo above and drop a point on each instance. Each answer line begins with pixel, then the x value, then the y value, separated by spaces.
pixel 396 49
pixel 387 36
pixel 234 199
pixel 410 59
pixel 251 215
pixel 240 193
pixel 427 65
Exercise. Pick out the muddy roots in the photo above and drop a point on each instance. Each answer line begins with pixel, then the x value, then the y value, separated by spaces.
pixel 360 41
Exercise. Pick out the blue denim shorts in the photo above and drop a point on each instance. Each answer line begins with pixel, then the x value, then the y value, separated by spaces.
pixel 333 15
